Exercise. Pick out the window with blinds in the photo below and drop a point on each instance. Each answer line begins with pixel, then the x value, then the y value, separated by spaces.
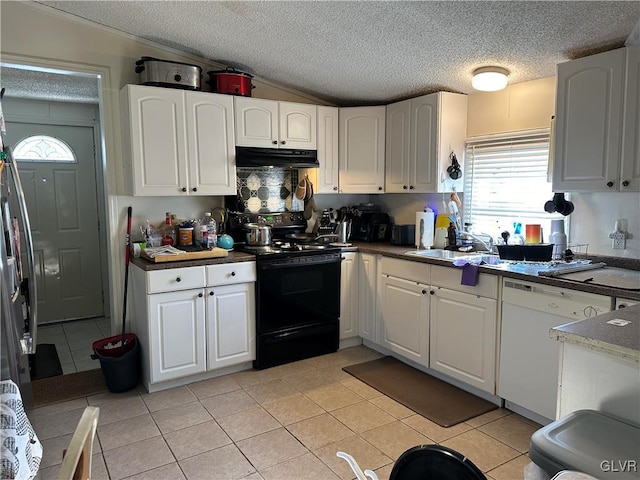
pixel 506 182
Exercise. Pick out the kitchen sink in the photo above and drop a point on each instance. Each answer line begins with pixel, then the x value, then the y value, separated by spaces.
pixel 474 257
pixel 436 253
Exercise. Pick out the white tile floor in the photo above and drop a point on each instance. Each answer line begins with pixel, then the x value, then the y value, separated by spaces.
pixel 73 341
pixel 282 423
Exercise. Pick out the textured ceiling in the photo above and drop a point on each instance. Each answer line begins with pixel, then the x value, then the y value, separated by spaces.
pixel 39 85
pixel 373 52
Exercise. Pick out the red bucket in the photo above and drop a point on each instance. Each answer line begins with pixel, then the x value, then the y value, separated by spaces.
pixel 112 346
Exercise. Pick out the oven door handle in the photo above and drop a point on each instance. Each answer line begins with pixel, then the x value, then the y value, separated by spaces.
pixel 275 264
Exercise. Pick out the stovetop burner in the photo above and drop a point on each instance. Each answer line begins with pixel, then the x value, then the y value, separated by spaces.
pixel 283 247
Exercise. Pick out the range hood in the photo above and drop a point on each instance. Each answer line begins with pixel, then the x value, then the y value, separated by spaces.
pixel 276 157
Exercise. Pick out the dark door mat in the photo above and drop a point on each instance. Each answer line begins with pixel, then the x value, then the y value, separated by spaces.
pixel 68 387
pixel 432 398
pixel 45 362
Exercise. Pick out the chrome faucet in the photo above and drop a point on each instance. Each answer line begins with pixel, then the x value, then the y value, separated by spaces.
pixel 488 246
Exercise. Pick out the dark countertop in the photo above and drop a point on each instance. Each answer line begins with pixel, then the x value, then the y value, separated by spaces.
pixel 598 335
pixel 396 251
pixel 233 257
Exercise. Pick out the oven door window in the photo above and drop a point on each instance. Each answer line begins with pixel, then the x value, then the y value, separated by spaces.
pixel 297 295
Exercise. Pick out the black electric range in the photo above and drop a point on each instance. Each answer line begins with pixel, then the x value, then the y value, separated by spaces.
pixel 297 290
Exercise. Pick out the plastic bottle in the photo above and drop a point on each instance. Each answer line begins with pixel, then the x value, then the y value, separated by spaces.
pixel 168 231
pixel 211 238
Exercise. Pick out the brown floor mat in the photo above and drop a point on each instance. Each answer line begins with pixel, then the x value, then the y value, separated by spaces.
pixel 67 387
pixel 432 398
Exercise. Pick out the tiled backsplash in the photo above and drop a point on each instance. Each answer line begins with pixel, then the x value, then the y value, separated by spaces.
pixel 268 190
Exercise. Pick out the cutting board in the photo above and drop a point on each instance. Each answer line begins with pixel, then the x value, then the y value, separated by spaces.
pixel 608 276
pixel 196 255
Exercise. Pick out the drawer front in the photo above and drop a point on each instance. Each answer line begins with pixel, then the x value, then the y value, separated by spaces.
pixel 450 277
pixel 173 279
pixel 228 273
pixel 414 271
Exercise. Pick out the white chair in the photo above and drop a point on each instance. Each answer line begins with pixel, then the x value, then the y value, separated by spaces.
pixel 76 464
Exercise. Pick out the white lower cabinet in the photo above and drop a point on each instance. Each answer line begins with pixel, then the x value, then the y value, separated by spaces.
pixel 231 329
pixel 176 330
pixel 349 295
pixel 194 319
pixel 404 317
pixel 463 337
pixel 367 295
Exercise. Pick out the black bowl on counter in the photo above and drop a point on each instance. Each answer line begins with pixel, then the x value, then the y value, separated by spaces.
pixel 534 252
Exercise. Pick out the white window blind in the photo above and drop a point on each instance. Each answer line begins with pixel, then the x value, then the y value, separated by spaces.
pixel 506 182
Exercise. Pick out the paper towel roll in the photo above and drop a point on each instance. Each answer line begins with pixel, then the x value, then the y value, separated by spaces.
pixel 424 229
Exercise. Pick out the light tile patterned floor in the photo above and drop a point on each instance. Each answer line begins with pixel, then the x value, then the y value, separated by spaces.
pixel 73 340
pixel 282 423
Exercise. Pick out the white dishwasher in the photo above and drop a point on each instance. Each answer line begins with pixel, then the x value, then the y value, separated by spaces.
pixel 529 358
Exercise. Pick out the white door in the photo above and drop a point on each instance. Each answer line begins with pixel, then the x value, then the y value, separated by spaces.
pixel 589 114
pixel 177 343
pixel 155 118
pixel 210 143
pixel 61 199
pixel 231 334
pixel 256 122
pixel 367 296
pixel 361 144
pixel 397 178
pixel 327 150
pixel 297 125
pixel 349 296
pixel 404 320
pixel 462 337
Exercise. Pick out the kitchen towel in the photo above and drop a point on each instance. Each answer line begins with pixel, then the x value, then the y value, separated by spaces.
pixel 469 275
pixel 470 272
pixel 424 229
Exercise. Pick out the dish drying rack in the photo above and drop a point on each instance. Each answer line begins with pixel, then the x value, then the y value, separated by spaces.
pixel 578 252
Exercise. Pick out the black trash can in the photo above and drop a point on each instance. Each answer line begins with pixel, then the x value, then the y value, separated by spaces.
pixel 121 371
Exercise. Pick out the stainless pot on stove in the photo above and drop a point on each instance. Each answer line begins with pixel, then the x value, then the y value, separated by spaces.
pixel 257 235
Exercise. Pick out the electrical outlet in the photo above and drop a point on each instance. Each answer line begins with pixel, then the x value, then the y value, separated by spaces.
pixel 618 240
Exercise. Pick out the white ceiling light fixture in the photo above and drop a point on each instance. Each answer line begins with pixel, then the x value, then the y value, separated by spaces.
pixel 490 79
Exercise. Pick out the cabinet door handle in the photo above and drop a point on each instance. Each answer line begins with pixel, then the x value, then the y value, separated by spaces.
pixel 184 189
pixel 411 187
pixel 211 293
pixel 609 184
pixel 275 142
pixel 200 295
pixel 178 279
pixel 404 187
pixel 283 142
pixel 424 291
pixel 380 188
pixel 233 274
pixel 335 189
pixel 194 189
pixel 432 292
pixel 625 183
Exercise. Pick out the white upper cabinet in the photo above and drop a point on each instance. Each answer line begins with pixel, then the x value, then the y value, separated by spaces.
pixel 272 124
pixel 421 134
pixel 178 142
pixel 327 179
pixel 362 145
pixel 597 126
pixel 630 178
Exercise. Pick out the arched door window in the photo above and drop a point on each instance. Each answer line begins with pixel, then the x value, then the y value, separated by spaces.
pixel 43 148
